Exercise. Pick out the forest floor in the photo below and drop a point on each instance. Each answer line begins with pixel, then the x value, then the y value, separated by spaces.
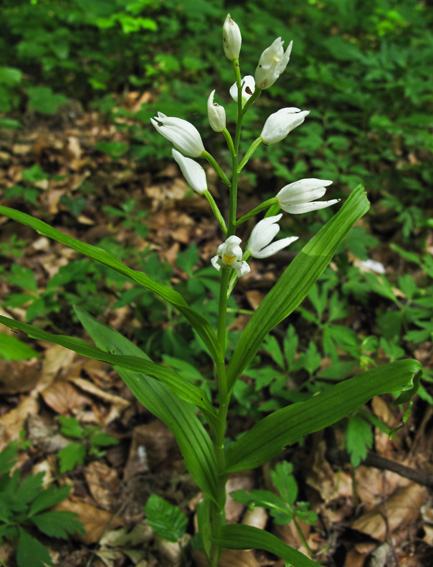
pixel 372 516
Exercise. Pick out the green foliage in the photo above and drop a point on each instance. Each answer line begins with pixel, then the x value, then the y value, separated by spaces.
pixel 93 441
pixel 14 349
pixel 25 505
pixel 165 519
pixel 284 507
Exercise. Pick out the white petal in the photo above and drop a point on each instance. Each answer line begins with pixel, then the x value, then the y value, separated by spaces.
pixel 241 268
pixel 275 247
pixel 215 263
pixel 192 171
pixel 307 207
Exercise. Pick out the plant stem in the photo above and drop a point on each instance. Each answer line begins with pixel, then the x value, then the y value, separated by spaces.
pixel 215 165
pixel 258 209
pixel 216 211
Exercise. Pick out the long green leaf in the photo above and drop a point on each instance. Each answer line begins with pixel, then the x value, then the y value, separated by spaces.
pixel 200 324
pixel 296 282
pixel 236 536
pixel 193 440
pixel 289 425
pixel 177 384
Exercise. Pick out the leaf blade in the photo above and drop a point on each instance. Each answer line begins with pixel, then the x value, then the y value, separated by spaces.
pixel 236 536
pixel 200 324
pixel 296 281
pixel 290 424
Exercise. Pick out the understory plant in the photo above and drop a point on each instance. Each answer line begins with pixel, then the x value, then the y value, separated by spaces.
pixel 209 452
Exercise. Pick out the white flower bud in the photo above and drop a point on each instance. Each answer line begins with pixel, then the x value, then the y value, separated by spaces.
pixel 279 124
pixel 232 39
pixel 272 63
pixel 263 233
pixel 182 134
pixel 298 197
pixel 192 171
pixel 248 88
pixel 216 114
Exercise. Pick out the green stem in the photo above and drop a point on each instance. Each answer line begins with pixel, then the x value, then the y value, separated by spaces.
pixel 215 165
pixel 302 537
pixel 249 153
pixel 258 209
pixel 251 100
pixel 216 211
pixel 229 141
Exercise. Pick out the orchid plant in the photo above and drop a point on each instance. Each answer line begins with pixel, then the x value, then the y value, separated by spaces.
pixel 210 455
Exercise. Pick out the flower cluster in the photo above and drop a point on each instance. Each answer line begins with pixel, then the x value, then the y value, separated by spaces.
pixel 296 198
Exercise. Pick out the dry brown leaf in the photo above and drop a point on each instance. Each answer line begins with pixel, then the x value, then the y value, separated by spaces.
pixel 63 397
pixel 329 484
pixel 56 358
pixel 152 446
pixel 94 520
pixel 229 558
pixel 257 518
pixel 140 533
pixel 234 509
pixel 254 298
pixel 13 422
pixel 103 483
pixel 118 404
pixel 372 485
pixel 400 510
pixel 18 376
pixel 354 559
pixel 45 435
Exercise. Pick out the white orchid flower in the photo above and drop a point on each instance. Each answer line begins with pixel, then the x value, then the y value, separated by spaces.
pixel 232 39
pixel 281 123
pixel 182 134
pixel 229 255
pixel 216 114
pixel 272 63
pixel 248 88
pixel 192 171
pixel 263 233
pixel 298 197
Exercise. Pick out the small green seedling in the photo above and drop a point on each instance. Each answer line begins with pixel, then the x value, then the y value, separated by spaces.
pixel 25 508
pixel 92 442
pixel 165 519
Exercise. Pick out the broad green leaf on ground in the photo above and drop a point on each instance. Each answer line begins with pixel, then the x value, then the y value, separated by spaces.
pixel 179 385
pixel 48 498
pixel 165 519
pixel 289 425
pixel 200 324
pixel 193 440
pixel 236 536
pixel 295 283
pixel 30 552
pixel 58 523
pixel 70 456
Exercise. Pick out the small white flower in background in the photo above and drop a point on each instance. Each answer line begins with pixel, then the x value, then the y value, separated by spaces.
pixel 373 265
pixel 263 233
pixel 281 123
pixel 229 255
pixel 272 63
pixel 298 197
pixel 248 88
pixel 192 171
pixel 216 114
pixel 182 134
pixel 232 39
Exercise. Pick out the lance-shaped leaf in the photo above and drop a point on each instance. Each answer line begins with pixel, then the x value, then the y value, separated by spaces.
pixel 200 324
pixel 236 536
pixel 295 283
pixel 179 416
pixel 174 381
pixel 289 425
